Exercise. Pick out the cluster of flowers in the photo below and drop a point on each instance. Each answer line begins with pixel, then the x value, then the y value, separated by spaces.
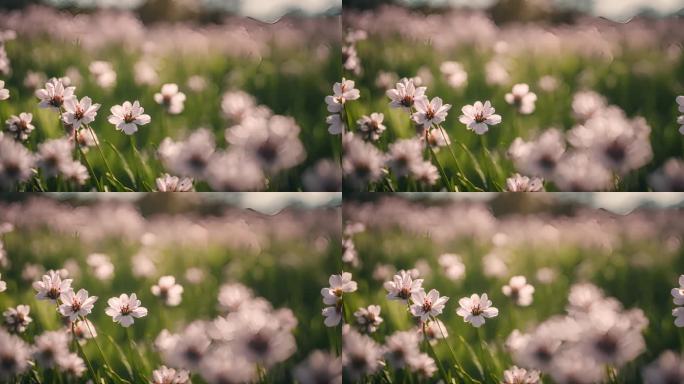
pixel 350 58
pixel 678 299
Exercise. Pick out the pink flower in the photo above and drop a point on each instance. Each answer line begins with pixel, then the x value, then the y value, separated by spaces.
pixel 430 112
pixel 478 117
pixel 128 116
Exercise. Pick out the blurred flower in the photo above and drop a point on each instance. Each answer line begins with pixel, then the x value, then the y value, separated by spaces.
pixel 670 177
pixel 104 73
pixel 368 319
pixel 433 330
pixel 337 125
pixel 17 319
pixel 371 127
pixel 124 309
pixel 82 330
pixel 586 103
pixel 522 98
pixel 167 290
pixel 127 117
pixel 429 112
pixel 20 126
pixel 452 266
pixel 678 99
pixel 75 305
pixel 541 156
pixel 669 368
pixel 50 348
pixel 678 293
pixel 405 94
pixel 170 98
pixel 101 266
pixel 519 183
pixel 54 156
pixel 4 92
pixel 54 94
pixel 51 286
pixel 360 354
pixel 15 162
pixel 519 291
pixel 325 176
pixel 401 347
pixel 496 73
pixel 454 73
pixel 168 183
pixel 166 375
pixel 3 285
pixel 72 365
pixel 361 161
pixel 548 83
pixel 475 309
pixel 15 355
pixel 404 155
pixel 231 296
pixel 423 365
pixel 319 368
pixel 403 286
pixel 515 375
pixel 478 117
pixel 428 305
pixel 678 313
pixel 75 172
pixel 145 74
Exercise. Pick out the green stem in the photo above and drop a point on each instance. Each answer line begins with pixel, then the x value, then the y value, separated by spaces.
pixel 459 172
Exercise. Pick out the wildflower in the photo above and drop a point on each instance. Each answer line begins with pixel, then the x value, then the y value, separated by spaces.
pixel 20 126
pixel 51 286
pixel 368 319
pixel 263 341
pixel 425 172
pixel 190 157
pixel 478 117
pixel 75 305
pixel 3 285
pixel 337 125
pixel 521 97
pixel 401 347
pixel 75 172
pixel 168 290
pixel 145 74
pixel 423 365
pixel 170 98
pixel 349 253
pixel 101 266
pixel 519 291
pixel 55 94
pixel 475 309
pixel 548 83
pixel 572 367
pixel 669 368
pixel 325 176
pixel 188 349
pixel 678 99
pixel 82 330
pixel 342 92
pixel 4 92
pixel 15 162
pixel 17 319
pixel 54 155
pixel 678 293
pixel 333 315
pixel 587 103
pixel 429 112
pixel 319 368
pixel 456 76
pixel 14 354
pixel 232 296
pixel 453 267
pixel 362 162
pixel 72 365
pixel 515 375
pixel 433 330
pixel 166 375
pixel 77 113
pixel 168 183
pixel 224 365
pixel 360 354
pixel 127 117
pixel 404 155
pixel 104 73
pixel 496 73
pixel 238 105
pixel 371 127
pixel 678 313
pixel 611 338
pixel 427 305
pixel 124 309
pixel 403 286
pixel 339 284
pixel 234 170
pixel 541 156
pixel 579 172
pixel 50 348
pixel 680 121
pixel 519 183
pixel 670 177
pixel 404 94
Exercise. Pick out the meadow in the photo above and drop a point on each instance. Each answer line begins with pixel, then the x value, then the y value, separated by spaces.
pixel 574 294
pixel 226 105
pixel 581 104
pixel 217 308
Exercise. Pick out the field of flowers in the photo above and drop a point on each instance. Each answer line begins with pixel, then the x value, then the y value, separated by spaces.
pixel 164 290
pixel 101 101
pixel 590 105
pixel 517 290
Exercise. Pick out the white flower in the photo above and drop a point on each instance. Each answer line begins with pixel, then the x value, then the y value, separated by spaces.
pixel 519 291
pixel 50 348
pixel 168 290
pixel 456 76
pixel 75 305
pixel 54 94
pixel 127 117
pixel 404 94
pixel 82 330
pixel 3 285
pixel 521 97
pixel 320 367
pixel 333 315
pixel 123 309
pixel 15 355
pixel 519 183
pixel 51 286
pixel 342 92
pixel 680 121
pixel 475 309
pixel 478 117
pixel 360 354
pixel 678 293
pixel 72 365
pixel 453 267
pixel 371 127
pixel 430 112
pixel 678 99
pixel 678 313
pixel 17 319
pixel 104 73
pixel 339 284
pixel 368 319
pixel 4 92
pixel 79 112
pixel 401 347
pixel 20 126
pixel 170 98
pixel 402 286
pixel 168 183
pixel 515 375
pixel 166 375
pixel 336 123
pixel 427 305
pixel 669 368
pixel 423 365
pixel 101 265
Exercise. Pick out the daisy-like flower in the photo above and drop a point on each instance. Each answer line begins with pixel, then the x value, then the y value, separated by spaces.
pixel 51 286
pixel 478 117
pixel 75 305
pixel 333 315
pixel 515 375
pixel 427 305
pixel 171 98
pixel 519 291
pixel 127 117
pixel 361 355
pixel 402 286
pixel 401 347
pixel 336 124
pixel 3 285
pixel 79 112
pixel 124 309
pixel 54 94
pixel 339 284
pixel 20 126
pixel 50 348
pixel 320 367
pixel 14 354
pixel 166 375
pixel 82 330
pixel 4 92
pixel 404 94
pixel 342 92
pixel 429 112
pixel 678 293
pixel 17 319
pixel 519 183
pixel 168 290
pixel 368 319
pixel 168 183
pixel 371 127
pixel 475 309
pixel 521 97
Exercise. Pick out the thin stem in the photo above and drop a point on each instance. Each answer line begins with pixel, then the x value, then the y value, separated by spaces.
pixel 459 171
pixel 453 354
pixel 104 357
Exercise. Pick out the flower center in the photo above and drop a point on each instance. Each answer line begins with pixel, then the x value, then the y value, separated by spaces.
pixel 128 118
pixel 53 293
pixel 404 293
pixel 427 305
pixel 429 114
pixel 407 101
pixel 75 305
pixel 125 310
pixel 479 117
pixel 56 101
pixel 78 113
pixel 476 310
